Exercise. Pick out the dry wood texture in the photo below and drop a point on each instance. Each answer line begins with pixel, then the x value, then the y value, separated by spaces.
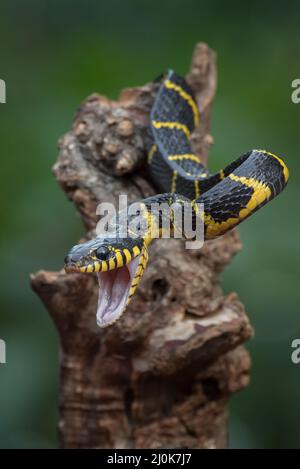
pixel 161 376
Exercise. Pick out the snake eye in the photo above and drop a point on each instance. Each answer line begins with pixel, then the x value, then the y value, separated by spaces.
pixel 101 253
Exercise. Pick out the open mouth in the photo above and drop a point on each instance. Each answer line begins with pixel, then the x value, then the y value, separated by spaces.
pixel 114 288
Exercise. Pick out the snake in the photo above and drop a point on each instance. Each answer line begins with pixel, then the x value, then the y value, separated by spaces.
pixel 228 197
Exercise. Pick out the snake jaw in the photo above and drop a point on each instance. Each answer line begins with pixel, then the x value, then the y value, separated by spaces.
pixel 114 290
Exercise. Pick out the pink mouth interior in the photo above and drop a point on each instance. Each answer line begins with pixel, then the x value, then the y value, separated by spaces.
pixel 114 287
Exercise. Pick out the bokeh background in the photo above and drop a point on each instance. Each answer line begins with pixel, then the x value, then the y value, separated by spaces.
pixel 54 54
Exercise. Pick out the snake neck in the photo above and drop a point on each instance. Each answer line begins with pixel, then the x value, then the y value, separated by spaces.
pixel 165 216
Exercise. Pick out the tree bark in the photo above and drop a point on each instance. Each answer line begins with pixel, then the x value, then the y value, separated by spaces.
pixel 161 376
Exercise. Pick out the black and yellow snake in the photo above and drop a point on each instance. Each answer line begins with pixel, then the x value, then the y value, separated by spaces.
pixel 229 197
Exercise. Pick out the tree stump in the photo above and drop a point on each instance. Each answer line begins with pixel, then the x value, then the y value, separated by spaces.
pixel 161 377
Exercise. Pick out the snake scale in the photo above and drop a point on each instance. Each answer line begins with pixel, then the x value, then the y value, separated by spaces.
pixel 228 197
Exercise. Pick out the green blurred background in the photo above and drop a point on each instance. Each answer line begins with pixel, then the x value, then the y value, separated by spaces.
pixel 54 54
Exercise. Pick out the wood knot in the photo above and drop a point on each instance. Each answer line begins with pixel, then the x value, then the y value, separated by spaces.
pixel 111 148
pixel 126 162
pixel 125 128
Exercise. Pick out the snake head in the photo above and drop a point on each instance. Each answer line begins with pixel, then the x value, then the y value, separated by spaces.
pixel 119 264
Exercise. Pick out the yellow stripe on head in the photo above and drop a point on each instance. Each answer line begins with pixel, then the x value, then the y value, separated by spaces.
pixel 96 266
pixel 111 264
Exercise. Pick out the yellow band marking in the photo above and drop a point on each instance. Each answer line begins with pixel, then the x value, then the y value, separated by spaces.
pixel 250 182
pixel 127 255
pixel 96 266
pixel 187 97
pixel 281 162
pixel 145 257
pixel 131 292
pixel 222 175
pixel 83 269
pixel 104 266
pixel 186 156
pixel 174 178
pixel 172 125
pixel 261 193
pixel 111 264
pixel 139 273
pixel 151 152
pixel 198 175
pixel 197 188
pixel 138 270
pixel 136 251
pixel 90 268
pixel 195 207
pixel 152 227
pixel 119 259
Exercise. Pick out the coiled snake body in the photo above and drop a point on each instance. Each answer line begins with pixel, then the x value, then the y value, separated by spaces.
pixel 228 197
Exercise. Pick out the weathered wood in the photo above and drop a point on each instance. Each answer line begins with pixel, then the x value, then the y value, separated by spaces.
pixel 163 374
